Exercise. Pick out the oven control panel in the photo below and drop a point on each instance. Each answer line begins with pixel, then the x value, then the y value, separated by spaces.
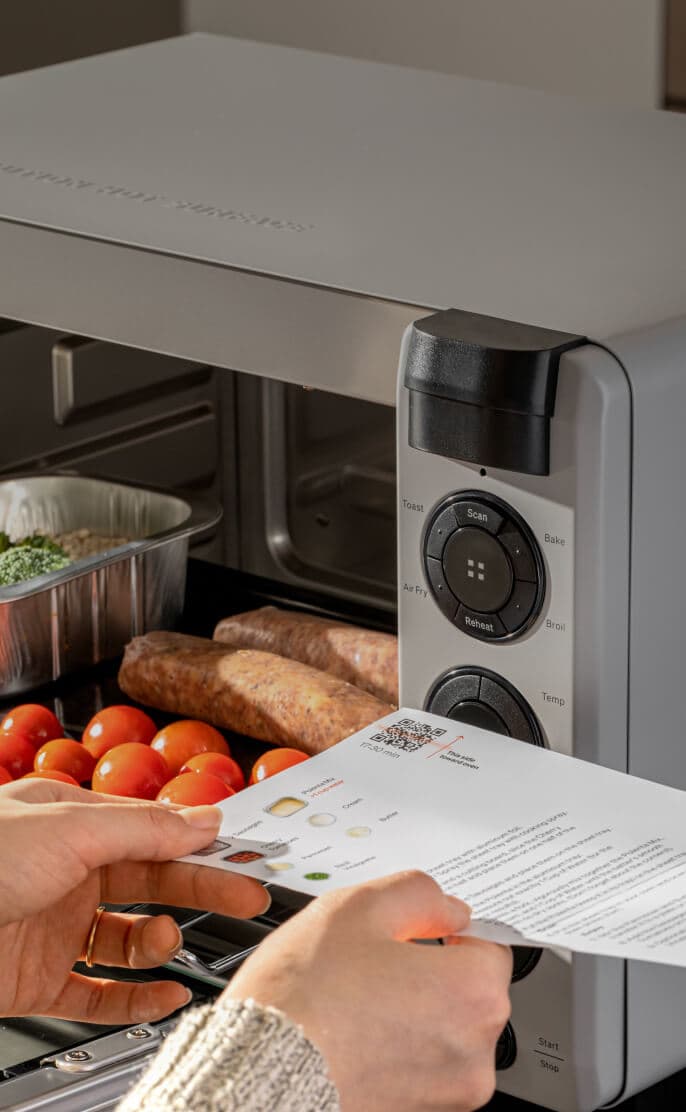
pixel 513 542
pixel 496 651
pixel 486 608
pixel 484 567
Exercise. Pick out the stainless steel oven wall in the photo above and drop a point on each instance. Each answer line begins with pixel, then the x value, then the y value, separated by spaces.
pixel 317 489
pixel 571 667
pixel 655 363
pixel 107 410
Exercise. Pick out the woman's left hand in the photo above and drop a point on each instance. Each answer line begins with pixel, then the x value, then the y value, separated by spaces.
pixel 63 852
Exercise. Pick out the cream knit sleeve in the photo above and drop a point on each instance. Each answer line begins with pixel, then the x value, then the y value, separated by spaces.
pixel 234 1055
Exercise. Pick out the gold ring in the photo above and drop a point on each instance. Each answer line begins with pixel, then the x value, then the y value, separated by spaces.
pixel 91 936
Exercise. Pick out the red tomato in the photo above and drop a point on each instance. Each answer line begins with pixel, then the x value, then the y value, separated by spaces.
pixel 52 774
pixel 182 740
pixel 219 765
pixel 117 726
pixel 65 755
pixel 273 761
pixel 36 723
pixel 16 754
pixel 5 777
pixel 133 770
pixel 193 789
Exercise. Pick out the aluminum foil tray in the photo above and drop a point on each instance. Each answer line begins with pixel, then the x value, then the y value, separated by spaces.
pixel 66 620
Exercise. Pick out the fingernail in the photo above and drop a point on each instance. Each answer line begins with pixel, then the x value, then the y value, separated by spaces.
pixel 460 903
pixel 202 818
pixel 159 940
pixel 189 997
pixel 268 904
pixel 172 939
pixel 177 949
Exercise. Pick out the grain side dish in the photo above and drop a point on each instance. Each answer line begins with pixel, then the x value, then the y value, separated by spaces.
pixel 39 554
pixel 80 543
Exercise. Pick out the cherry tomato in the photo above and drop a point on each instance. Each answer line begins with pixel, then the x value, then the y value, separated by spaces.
pixel 36 723
pixel 52 774
pixel 182 740
pixel 219 765
pixel 273 761
pixel 194 789
pixel 16 754
pixel 133 769
pixel 65 755
pixel 117 726
pixel 5 777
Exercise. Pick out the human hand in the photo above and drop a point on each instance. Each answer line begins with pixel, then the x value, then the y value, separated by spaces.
pixel 63 852
pixel 400 1025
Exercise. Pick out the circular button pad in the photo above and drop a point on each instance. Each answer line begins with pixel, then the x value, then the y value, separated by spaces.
pixel 483 566
pixel 482 698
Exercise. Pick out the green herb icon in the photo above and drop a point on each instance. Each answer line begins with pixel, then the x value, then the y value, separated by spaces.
pixel 317 876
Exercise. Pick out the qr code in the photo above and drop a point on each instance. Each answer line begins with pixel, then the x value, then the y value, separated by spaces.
pixel 408 735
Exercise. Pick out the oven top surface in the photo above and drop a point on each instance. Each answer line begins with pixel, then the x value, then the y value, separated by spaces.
pixel 399 184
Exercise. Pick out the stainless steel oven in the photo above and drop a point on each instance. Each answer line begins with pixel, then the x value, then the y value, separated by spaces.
pixel 424 340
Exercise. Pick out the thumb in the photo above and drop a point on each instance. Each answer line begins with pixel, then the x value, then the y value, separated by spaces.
pixel 412 905
pixel 105 833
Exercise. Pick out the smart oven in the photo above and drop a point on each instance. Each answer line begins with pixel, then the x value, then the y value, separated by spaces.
pixel 424 339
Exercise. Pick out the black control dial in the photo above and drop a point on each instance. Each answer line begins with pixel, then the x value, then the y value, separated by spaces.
pixel 482 698
pixel 483 566
pixel 524 961
pixel 506 1049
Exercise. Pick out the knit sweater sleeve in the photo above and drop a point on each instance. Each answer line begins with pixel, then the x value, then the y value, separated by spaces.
pixel 234 1055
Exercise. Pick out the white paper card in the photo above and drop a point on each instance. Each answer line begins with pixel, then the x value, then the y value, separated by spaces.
pixel 546 849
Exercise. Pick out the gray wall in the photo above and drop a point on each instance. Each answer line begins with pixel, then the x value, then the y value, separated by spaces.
pixel 607 49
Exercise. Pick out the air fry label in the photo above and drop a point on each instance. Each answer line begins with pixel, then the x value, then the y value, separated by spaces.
pixel 546 849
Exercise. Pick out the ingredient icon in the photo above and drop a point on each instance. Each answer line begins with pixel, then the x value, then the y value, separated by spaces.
pixel 285 807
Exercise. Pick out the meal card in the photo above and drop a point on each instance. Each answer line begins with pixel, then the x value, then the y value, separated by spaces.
pixel 547 850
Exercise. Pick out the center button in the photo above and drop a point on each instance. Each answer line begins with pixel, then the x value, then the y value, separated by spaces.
pixel 477 570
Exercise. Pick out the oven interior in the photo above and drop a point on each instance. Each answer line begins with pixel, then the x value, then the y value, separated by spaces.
pixel 306 479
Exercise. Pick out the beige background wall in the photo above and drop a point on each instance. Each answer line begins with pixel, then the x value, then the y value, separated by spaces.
pixel 607 49
pixel 603 49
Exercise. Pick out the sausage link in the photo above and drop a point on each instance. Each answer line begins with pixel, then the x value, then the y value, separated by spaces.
pixel 360 656
pixel 259 694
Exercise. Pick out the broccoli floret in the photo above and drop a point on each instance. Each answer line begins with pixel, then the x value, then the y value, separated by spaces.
pixel 38 540
pixel 20 563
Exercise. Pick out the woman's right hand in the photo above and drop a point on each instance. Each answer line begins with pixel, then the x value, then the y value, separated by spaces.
pixel 401 1026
